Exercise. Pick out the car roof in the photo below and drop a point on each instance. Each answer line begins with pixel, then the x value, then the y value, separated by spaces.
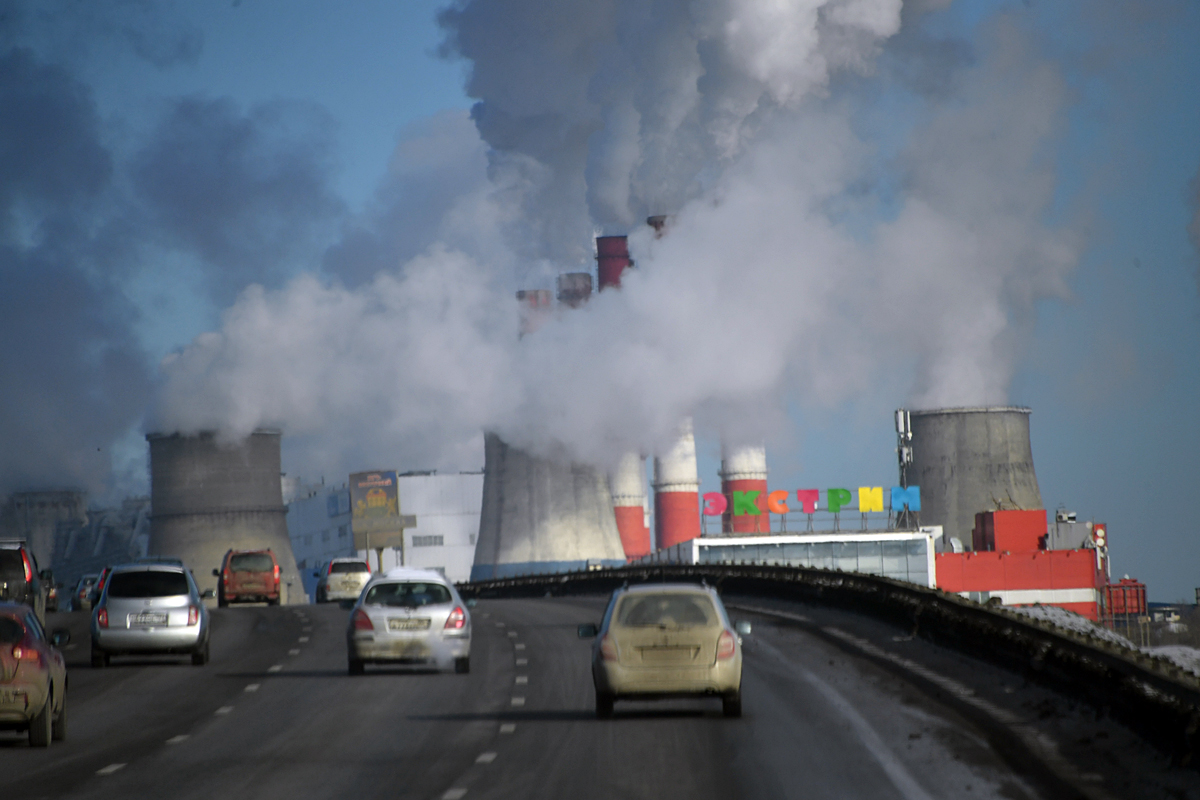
pixel 161 567
pixel 655 588
pixel 342 559
pixel 414 574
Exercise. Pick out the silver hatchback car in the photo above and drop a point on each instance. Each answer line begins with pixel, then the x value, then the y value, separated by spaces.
pixel 150 608
pixel 409 616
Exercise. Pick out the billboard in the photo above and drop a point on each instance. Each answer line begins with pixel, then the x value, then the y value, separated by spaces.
pixel 375 518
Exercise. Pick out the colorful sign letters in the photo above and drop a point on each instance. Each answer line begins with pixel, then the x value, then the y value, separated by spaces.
pixel 870 498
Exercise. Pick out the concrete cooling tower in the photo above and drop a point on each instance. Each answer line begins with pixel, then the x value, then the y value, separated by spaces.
pixel 541 516
pixel 207 497
pixel 969 460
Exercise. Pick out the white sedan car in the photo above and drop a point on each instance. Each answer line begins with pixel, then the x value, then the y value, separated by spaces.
pixel 411 617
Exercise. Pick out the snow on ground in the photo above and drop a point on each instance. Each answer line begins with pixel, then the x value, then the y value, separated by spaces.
pixel 1072 622
pixel 1181 655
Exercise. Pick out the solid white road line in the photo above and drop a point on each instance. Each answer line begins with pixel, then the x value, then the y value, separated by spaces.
pixel 110 769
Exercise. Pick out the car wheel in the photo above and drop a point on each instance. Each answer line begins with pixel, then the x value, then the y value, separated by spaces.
pixel 40 726
pixel 604 705
pixel 356 667
pixel 462 665
pixel 99 658
pixel 272 602
pixel 200 656
pixel 731 704
pixel 58 729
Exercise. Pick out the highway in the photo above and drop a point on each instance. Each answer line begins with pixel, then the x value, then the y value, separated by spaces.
pixel 274 715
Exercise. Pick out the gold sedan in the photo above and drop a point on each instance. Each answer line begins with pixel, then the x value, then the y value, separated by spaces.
pixel 664 641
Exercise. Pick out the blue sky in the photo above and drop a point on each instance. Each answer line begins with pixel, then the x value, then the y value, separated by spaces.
pixel 1110 367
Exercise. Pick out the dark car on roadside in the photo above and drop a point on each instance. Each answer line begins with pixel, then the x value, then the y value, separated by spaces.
pixel 20 579
pixel 33 676
pixel 248 576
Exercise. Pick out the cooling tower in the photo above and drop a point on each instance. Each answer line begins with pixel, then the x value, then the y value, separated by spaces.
pixel 207 497
pixel 744 469
pixel 969 460
pixel 541 516
pixel 629 505
pixel 677 491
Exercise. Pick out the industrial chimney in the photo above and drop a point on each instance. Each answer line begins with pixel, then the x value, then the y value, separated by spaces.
pixel 744 469
pixel 612 259
pixel 207 497
pixel 677 491
pixel 970 460
pixel 542 516
pixel 629 505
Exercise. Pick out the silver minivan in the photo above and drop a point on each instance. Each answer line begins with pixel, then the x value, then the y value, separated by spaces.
pixel 413 617
pixel 150 609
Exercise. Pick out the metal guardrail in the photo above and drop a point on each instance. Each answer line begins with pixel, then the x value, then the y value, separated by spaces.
pixel 1149 694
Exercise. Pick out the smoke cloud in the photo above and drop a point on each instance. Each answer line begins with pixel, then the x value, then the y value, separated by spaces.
pixel 803 259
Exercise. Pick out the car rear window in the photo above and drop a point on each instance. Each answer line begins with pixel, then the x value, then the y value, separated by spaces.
pixel 669 610
pixel 349 566
pixel 252 562
pixel 11 564
pixel 11 631
pixel 147 584
pixel 407 594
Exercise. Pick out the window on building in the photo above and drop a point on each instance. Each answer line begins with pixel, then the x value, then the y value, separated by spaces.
pixel 428 541
pixel 343 531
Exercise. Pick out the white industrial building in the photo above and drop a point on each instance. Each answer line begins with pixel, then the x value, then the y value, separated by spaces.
pixel 446 506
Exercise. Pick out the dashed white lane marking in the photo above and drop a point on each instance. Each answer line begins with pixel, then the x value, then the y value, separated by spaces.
pixel 508 727
pixel 110 769
pixel 522 662
pixel 518 701
pixel 223 710
pixel 183 737
pixel 500 625
pixel 519 646
pixel 251 687
pixel 522 679
pixel 302 639
pixel 275 668
pixel 485 758
pixel 453 794
pixel 512 634
pixel 294 652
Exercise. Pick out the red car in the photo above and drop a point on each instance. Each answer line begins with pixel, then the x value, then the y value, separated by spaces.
pixel 33 676
pixel 248 576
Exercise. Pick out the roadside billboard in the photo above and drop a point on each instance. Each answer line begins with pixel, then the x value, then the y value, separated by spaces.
pixel 375 519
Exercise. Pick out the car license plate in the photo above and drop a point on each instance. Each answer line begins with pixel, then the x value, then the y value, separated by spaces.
pixel 148 618
pixel 398 624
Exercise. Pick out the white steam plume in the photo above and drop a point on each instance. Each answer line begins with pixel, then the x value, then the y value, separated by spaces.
pixel 780 280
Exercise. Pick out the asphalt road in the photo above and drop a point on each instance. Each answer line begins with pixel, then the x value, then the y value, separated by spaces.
pixel 274 715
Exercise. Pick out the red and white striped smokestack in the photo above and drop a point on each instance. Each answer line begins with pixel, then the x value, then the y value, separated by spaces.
pixel 629 505
pixel 744 469
pixel 677 491
pixel 612 259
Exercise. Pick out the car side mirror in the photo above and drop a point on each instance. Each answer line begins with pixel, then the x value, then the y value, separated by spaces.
pixel 742 627
pixel 207 594
pixel 216 573
pixel 587 630
pixel 60 636
pixel 472 602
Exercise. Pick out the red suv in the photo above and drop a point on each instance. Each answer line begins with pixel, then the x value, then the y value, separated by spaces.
pixel 248 576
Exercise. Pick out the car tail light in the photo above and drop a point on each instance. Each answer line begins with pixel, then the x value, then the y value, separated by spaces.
pixel 726 645
pixel 193 615
pixel 25 653
pixel 28 567
pixel 102 618
pixel 457 619
pixel 362 622
pixel 608 648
